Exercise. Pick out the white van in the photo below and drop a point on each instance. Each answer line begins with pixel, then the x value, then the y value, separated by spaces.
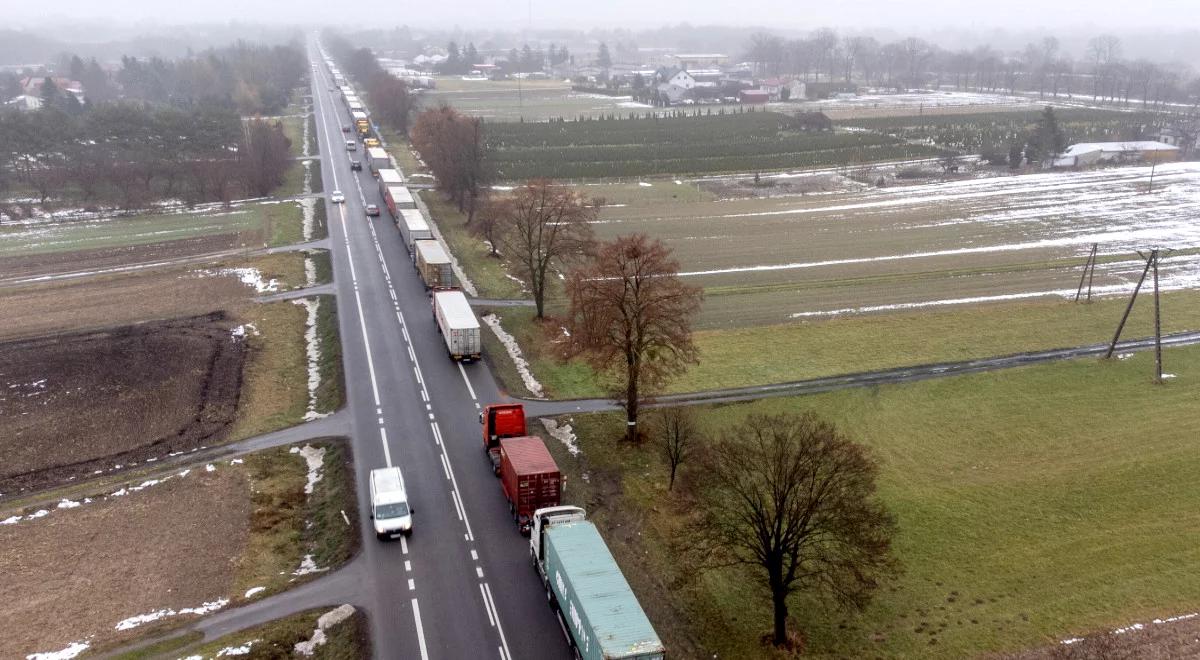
pixel 390 512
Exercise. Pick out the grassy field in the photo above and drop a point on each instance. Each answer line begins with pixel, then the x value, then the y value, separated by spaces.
pixel 532 100
pixel 246 225
pixel 690 143
pixel 797 351
pixel 331 392
pixel 1034 504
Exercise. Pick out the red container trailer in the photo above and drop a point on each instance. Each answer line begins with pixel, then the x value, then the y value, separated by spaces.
pixel 529 477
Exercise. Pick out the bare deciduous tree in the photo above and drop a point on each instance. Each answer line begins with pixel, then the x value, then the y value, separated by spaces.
pixel 794 500
pixel 631 314
pixel 677 431
pixel 543 226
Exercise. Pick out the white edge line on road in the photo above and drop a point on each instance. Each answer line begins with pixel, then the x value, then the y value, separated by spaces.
pixel 420 630
pixel 467 381
pixel 445 466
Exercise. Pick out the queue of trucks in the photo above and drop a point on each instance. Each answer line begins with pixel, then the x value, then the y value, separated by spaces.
pixel 594 604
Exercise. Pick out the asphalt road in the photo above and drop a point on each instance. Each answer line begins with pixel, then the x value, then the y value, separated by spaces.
pixel 463 585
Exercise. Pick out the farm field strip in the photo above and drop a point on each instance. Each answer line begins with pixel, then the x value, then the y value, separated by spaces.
pixel 969 241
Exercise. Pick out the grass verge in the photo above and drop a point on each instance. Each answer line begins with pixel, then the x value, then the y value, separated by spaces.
pixel 331 392
pixel 322 266
pixel 286 268
pixel 320 221
pixel 1034 504
pixel 288 525
pixel 274 380
pixel 277 639
pixel 162 648
pixel 487 273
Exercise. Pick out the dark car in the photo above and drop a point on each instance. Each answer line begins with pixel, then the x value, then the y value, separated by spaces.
pixel 346 129
pixel 372 210
pixel 356 165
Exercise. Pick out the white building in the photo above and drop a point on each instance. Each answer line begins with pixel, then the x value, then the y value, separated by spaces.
pixel 1092 153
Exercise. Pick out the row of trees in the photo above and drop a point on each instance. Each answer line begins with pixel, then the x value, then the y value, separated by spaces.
pixel 130 154
pixel 786 496
pixel 257 80
pixel 1040 67
pixel 453 148
pixel 392 102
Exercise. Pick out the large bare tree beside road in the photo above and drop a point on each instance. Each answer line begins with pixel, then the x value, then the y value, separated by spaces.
pixel 452 145
pixel 793 499
pixel 631 314
pixel 542 227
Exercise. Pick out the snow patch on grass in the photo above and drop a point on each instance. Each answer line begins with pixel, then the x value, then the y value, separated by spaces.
pixel 563 433
pixel 72 650
pixel 141 619
pixel 514 352
pixel 248 275
pixel 325 622
pixel 307 566
pixel 253 591
pixel 313 351
pixel 315 458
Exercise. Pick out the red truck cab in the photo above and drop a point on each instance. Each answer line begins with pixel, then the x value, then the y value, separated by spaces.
pixel 500 420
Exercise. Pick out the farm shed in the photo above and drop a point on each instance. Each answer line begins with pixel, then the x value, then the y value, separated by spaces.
pixel 754 96
pixel 1093 153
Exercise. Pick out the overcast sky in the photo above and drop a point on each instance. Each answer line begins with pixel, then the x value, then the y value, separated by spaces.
pixel 868 14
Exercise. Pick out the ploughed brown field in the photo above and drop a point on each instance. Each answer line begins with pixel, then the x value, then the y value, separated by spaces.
pixel 74 575
pixel 80 403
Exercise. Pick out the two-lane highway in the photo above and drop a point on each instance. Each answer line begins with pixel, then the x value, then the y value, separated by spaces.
pixel 462 586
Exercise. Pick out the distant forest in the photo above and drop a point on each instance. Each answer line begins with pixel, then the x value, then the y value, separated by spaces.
pixel 155 129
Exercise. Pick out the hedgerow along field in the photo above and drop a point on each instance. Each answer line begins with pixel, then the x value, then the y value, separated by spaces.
pixel 973 133
pixel 683 144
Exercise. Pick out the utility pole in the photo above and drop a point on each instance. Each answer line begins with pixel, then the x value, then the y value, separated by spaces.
pixel 1157 324
pixel 1089 269
pixel 1153 164
pixel 1128 308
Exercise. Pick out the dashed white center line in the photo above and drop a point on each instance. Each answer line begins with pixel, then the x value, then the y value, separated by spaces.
pixel 387 454
pixel 479 572
pixel 407 566
pixel 474 555
pixel 412 585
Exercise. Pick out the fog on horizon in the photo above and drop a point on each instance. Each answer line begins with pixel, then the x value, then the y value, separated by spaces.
pixel 914 15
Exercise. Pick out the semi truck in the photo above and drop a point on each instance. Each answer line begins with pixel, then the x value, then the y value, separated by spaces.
pixel 432 263
pixel 499 421
pixel 388 177
pixel 413 227
pixel 596 608
pixel 398 200
pixel 529 478
pixel 377 159
pixel 458 325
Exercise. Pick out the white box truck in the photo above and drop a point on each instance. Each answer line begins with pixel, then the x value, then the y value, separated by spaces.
pixel 412 225
pixel 377 159
pixel 434 265
pixel 390 511
pixel 458 325
pixel 389 177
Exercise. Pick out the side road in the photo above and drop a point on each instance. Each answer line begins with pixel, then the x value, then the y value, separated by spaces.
pixel 864 379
